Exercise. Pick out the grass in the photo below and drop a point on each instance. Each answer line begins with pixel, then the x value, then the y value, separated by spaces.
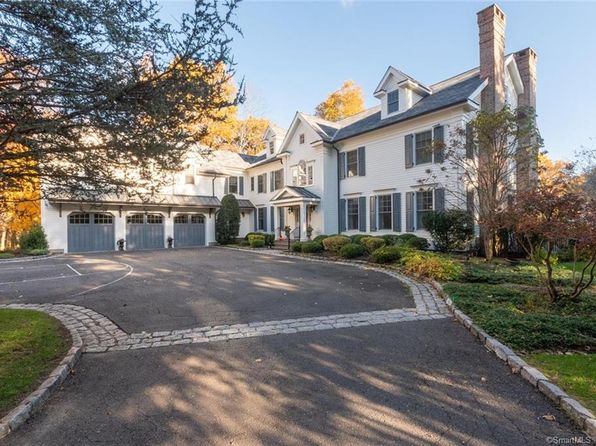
pixel 575 373
pixel 31 345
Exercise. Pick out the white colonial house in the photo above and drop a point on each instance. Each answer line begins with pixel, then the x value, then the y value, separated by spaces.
pixel 358 175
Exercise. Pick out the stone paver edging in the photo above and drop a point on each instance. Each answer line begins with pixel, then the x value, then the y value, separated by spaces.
pixel 575 410
pixel 35 400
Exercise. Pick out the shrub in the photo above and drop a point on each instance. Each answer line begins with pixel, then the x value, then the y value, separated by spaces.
pixel 297 247
pixel 390 239
pixel 256 240
pixel 227 222
pixel 34 239
pixel 412 241
pixel 372 243
pixel 335 243
pixel 36 252
pixel 386 254
pixel 320 238
pixel 431 266
pixel 312 246
pixel 450 230
pixel 352 250
pixel 243 243
pixel 269 239
pixel 357 238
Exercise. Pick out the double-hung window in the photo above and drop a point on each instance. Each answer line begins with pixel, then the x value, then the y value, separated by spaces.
pixel 392 101
pixel 262 183
pixel 233 185
pixel 352 213
pixel 261 219
pixel 278 179
pixel 384 211
pixel 352 163
pixel 271 147
pixel 424 205
pixel 424 147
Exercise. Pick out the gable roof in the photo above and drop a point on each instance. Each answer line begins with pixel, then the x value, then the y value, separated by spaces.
pixel 457 93
pixel 392 71
pixel 295 192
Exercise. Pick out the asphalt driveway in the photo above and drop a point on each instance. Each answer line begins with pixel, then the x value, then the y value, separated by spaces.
pixel 409 382
pixel 178 289
pixel 426 382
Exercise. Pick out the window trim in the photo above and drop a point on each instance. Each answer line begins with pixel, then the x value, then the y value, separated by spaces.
pixel 389 212
pixel 348 214
pixel 278 173
pixel 418 211
pixel 237 185
pixel 262 183
pixel 347 172
pixel 261 218
pixel 395 102
pixel 430 148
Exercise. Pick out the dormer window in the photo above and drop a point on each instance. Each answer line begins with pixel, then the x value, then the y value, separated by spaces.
pixel 271 147
pixel 392 101
pixel 301 138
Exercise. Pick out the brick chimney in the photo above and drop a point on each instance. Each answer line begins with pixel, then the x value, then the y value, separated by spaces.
pixel 526 171
pixel 491 27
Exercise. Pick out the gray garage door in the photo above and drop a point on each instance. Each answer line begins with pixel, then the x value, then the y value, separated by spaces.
pixel 189 230
pixel 90 231
pixel 144 231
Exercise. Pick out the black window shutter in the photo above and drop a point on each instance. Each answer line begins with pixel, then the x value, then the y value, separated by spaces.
pixel 252 184
pixel 226 186
pixel 469 141
pixel 439 199
pixel 409 150
pixel 241 185
pixel 342 215
pixel 439 143
pixel 342 165
pixel 362 214
pixel 410 197
pixel 361 161
pixel 373 213
pixel 265 183
pixel 272 213
pixel 396 208
pixel 256 219
pixel 271 181
pixel 470 201
pixel 265 219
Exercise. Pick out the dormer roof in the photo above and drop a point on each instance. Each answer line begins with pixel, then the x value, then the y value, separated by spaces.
pixel 405 81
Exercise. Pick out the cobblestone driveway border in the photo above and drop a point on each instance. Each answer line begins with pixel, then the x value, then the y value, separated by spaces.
pixel 35 400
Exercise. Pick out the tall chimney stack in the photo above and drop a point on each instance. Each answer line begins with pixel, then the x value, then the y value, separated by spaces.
pixel 491 27
pixel 526 172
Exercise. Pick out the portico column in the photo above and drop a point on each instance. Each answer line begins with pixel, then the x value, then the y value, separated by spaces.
pixel 302 221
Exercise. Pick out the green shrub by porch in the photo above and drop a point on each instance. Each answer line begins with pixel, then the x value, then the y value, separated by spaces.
pixel 297 246
pixel 34 240
pixel 386 254
pixel 352 250
pixel 227 222
pixel 357 238
pixel 412 241
pixel 335 243
pixel 320 238
pixel 390 239
pixel 372 243
pixel 312 247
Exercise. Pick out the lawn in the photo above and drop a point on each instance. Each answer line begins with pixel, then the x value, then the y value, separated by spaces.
pixel 31 345
pixel 576 373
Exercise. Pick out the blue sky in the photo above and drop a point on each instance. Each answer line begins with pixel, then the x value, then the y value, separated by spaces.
pixel 293 54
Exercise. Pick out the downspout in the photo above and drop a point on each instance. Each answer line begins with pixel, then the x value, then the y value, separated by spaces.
pixel 338 182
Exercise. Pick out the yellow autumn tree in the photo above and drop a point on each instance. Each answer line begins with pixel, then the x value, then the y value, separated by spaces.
pixel 550 172
pixel 226 131
pixel 340 104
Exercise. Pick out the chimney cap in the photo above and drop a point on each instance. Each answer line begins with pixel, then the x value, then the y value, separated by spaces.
pixel 491 11
pixel 529 50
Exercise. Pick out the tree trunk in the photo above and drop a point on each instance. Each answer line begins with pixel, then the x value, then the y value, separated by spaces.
pixel 488 241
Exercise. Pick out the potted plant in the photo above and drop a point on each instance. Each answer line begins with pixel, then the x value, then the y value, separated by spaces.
pixel 120 244
pixel 288 231
pixel 309 231
pixel 170 241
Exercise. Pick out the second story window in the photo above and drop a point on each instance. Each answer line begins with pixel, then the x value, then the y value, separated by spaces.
pixel 424 147
pixel 301 137
pixel 233 185
pixel 278 179
pixel 189 175
pixel 393 101
pixel 262 183
pixel 352 163
pixel 303 175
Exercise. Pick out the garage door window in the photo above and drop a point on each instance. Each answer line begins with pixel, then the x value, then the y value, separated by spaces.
pixel 134 219
pixel 181 218
pixel 197 219
pixel 103 219
pixel 78 219
pixel 154 219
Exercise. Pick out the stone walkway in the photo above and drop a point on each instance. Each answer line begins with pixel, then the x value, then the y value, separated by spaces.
pixel 100 334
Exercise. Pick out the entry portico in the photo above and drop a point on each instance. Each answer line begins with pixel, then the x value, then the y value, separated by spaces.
pixel 298 202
